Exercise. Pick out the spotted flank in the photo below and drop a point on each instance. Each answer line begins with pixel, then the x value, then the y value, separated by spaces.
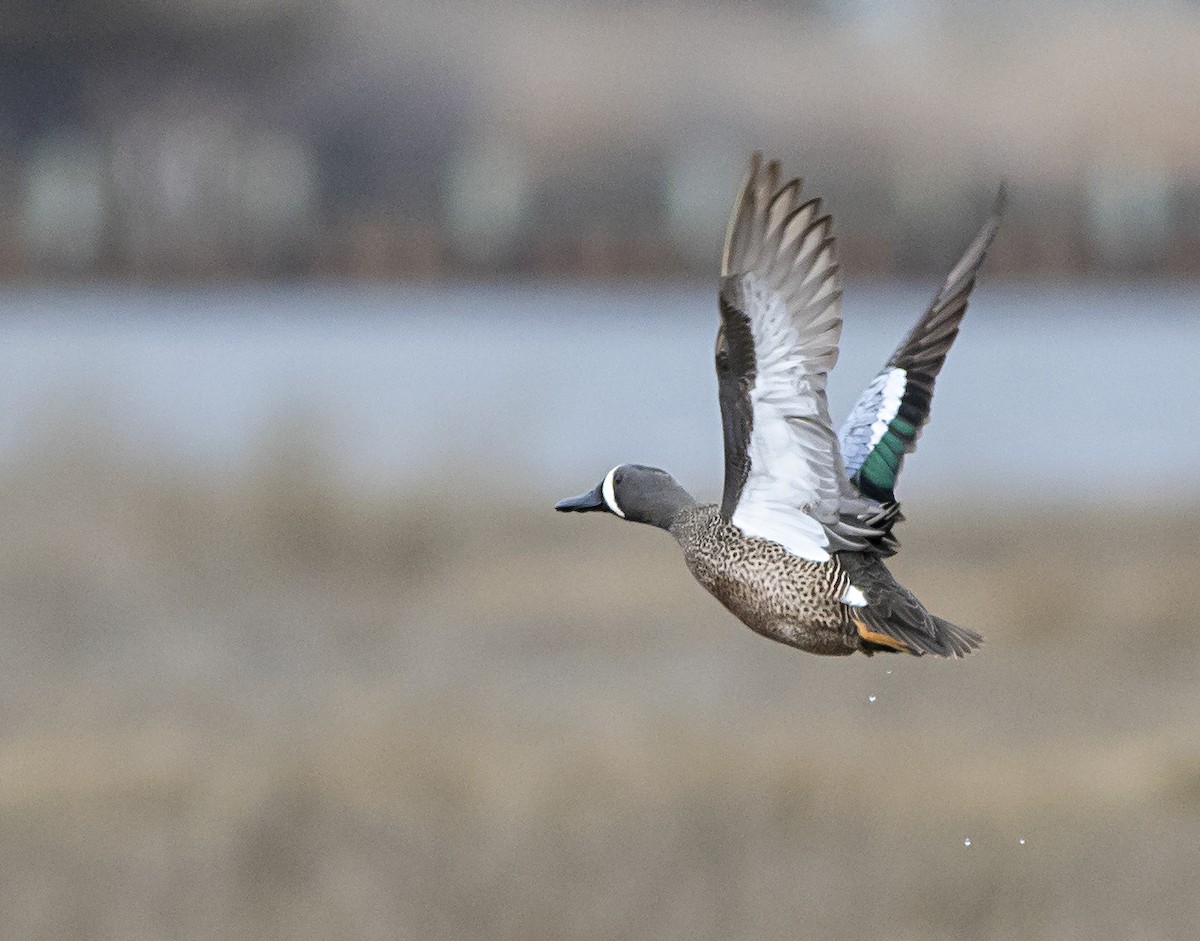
pixel 796 547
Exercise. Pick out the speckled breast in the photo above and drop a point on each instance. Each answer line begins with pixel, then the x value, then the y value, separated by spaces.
pixel 779 595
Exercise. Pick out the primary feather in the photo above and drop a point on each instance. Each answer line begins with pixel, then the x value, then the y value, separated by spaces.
pixel 886 421
pixel 780 303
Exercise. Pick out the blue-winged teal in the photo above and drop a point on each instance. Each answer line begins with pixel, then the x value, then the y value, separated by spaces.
pixel 796 547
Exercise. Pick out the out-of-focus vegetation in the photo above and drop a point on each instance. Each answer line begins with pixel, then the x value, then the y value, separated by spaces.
pixel 272 705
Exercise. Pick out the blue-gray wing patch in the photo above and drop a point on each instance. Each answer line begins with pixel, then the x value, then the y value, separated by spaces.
pixel 887 419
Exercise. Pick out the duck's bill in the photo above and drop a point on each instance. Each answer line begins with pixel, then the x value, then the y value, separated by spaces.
pixel 584 503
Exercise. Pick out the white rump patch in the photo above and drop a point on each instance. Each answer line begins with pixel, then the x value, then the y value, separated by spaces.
pixel 853 597
pixel 610 493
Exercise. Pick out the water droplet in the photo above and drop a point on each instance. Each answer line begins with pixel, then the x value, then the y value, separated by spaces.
pixel 967 841
pixel 1021 841
pixel 871 698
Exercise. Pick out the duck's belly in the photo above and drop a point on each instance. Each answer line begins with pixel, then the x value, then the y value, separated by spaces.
pixel 777 594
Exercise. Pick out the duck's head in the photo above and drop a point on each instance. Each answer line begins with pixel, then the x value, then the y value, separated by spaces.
pixel 633 492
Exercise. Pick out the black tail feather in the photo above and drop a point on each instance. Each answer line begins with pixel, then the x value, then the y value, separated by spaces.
pixel 894 612
pixel 932 634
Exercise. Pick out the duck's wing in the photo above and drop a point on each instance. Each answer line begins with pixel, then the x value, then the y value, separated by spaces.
pixel 888 417
pixel 780 303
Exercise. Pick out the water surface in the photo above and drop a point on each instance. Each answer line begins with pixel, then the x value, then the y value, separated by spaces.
pixel 1050 393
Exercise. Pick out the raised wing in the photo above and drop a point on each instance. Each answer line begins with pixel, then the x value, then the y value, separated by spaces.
pixel 780 303
pixel 886 421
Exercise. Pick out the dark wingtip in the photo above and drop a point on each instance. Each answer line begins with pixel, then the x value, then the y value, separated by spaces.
pixel 957 641
pixel 1000 203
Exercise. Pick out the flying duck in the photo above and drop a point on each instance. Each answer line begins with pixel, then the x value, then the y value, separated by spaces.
pixel 796 547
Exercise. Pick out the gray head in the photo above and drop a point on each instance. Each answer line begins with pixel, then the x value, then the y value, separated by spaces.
pixel 633 492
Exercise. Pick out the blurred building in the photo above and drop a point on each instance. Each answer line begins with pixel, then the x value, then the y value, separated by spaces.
pixel 266 138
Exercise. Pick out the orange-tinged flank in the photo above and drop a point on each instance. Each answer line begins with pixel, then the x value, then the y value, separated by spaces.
pixel 876 638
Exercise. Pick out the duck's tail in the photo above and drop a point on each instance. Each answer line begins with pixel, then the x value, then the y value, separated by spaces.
pixel 894 620
pixel 936 636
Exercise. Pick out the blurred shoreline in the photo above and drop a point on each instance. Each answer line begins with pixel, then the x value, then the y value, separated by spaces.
pixel 395 379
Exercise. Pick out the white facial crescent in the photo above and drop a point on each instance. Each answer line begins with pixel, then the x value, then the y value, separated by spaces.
pixel 609 492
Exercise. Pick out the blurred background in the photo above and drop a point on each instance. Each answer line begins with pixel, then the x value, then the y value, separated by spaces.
pixel 310 311
pixel 230 139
